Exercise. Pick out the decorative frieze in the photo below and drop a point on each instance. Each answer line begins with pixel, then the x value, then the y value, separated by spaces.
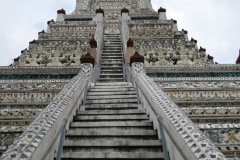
pixel 19 113
pixel 203 85
pixel 204 95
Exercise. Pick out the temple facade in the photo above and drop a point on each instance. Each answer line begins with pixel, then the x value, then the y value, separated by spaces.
pixel 118 44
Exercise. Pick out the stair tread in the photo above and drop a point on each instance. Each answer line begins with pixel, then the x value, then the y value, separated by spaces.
pixel 110 132
pixel 90 97
pixel 113 93
pixel 104 155
pixel 111 117
pixel 107 101
pixel 106 111
pixel 110 124
pixel 94 142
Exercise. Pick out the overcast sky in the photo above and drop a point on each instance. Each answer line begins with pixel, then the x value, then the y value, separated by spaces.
pixel 214 23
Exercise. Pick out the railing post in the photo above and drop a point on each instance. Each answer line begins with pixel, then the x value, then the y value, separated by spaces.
pixel 163 139
pixel 62 137
pixel 138 97
pixel 85 95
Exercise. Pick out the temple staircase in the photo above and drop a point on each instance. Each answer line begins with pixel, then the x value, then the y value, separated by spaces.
pixel 111 59
pixel 112 125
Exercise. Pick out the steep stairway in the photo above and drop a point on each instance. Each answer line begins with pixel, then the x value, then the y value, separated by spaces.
pixel 112 127
pixel 112 124
pixel 111 59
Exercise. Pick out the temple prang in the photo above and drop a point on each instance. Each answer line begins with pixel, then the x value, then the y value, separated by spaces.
pixel 115 79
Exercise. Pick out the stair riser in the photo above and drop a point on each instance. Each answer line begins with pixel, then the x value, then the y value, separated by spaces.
pixel 110 76
pixel 111 117
pixel 111 124
pixel 111 57
pixel 111 61
pixel 111 97
pixel 112 93
pixel 112 64
pixel 103 68
pixel 111 101
pixel 112 72
pixel 113 149
pixel 108 143
pixel 110 90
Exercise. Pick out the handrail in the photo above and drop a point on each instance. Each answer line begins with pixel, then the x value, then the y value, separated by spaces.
pixel 38 137
pixel 182 133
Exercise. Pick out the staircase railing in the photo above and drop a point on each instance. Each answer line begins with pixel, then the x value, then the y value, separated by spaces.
pixel 41 138
pixel 184 141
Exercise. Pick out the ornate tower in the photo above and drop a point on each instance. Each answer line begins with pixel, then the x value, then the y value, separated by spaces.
pixel 123 75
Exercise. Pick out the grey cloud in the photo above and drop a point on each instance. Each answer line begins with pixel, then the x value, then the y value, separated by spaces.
pixel 213 23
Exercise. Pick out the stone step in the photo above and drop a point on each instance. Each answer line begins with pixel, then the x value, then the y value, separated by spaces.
pixel 107 42
pixel 112 41
pixel 114 84
pixel 110 117
pixel 106 45
pixel 110 90
pixel 116 58
pixel 110 132
pixel 112 57
pixel 108 101
pixel 112 47
pixel 112 112
pixel 111 36
pixel 111 80
pixel 103 68
pixel 111 76
pixel 103 61
pixel 112 93
pixel 111 124
pixel 111 52
pixel 113 138
pixel 103 97
pixel 113 155
pixel 111 65
pixel 110 143
pixel 115 106
pixel 95 149
pixel 112 72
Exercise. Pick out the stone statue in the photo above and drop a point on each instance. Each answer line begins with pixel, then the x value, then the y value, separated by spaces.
pixel 183 57
pixel 54 60
pixel 161 57
pixel 141 52
pixel 31 60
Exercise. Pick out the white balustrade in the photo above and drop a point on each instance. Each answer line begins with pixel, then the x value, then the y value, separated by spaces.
pixel 184 139
pixel 41 138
